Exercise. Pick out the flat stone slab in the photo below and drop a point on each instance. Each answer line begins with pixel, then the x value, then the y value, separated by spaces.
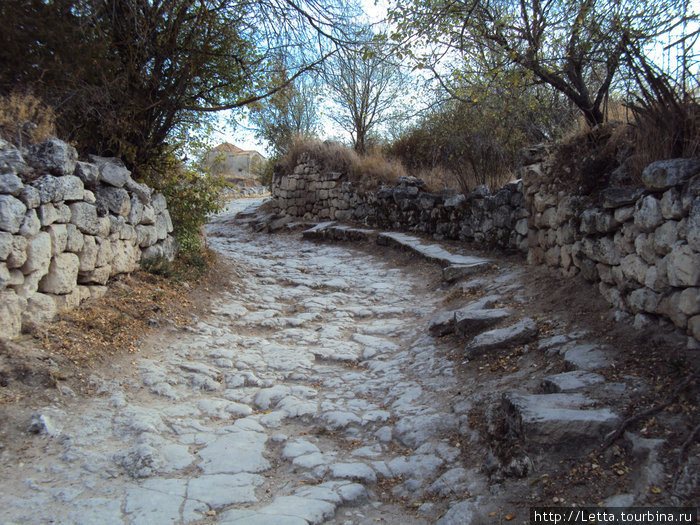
pixel 331 231
pixel 469 321
pixel 557 421
pixel 455 272
pixel 586 357
pixel 432 252
pixel 520 333
pixel 569 381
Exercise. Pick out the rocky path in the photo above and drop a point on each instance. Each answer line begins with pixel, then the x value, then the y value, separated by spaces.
pixel 318 390
pixel 311 394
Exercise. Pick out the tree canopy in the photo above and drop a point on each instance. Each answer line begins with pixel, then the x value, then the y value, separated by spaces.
pixel 574 46
pixel 128 76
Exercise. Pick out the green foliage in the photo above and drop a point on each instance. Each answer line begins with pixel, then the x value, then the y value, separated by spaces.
pixel 192 198
pixel 577 47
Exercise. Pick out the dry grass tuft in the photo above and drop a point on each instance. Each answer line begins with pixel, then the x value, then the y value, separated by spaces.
pixel 25 119
pixel 370 170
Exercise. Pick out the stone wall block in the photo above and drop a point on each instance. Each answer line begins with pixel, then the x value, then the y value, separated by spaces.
pixel 5 245
pixel 88 173
pixel 146 235
pixel 59 238
pixel 12 212
pixel 647 215
pixel 74 240
pixel 643 300
pixel 31 224
pixel 11 184
pixel 18 253
pixel 30 197
pixel 644 247
pixel 84 216
pixel 665 174
pixel 149 215
pixel 159 203
pixel 670 307
pixel 671 204
pixel 11 308
pixel 88 254
pixel 624 214
pixel 665 237
pixel 112 171
pixel 633 267
pixel 656 277
pixel 47 214
pixel 54 156
pixel 63 213
pixel 683 268
pixel 693 225
pixel 140 190
pixel 104 252
pixel 117 200
pixel 99 275
pixel 62 277
pixel 38 254
pixel 689 301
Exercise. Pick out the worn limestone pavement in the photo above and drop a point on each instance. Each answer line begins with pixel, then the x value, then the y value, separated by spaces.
pixel 313 393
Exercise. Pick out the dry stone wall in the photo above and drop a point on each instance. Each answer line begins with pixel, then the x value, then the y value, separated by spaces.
pixel 639 245
pixel 498 220
pixel 66 227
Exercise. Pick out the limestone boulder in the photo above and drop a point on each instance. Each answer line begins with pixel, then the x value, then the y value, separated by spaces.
pixel 11 184
pixel 5 245
pixel 84 216
pixel 12 211
pixel 18 252
pixel 30 225
pixel 117 200
pixel 74 239
pixel 647 215
pixel 88 254
pixel 12 162
pixel 30 196
pixel 88 173
pixel 112 171
pixel 683 268
pixel 59 238
pixel 664 174
pixel 54 156
pixel 41 309
pixel 38 254
pixel 142 191
pixel 62 277
pixel 99 275
pixel 11 308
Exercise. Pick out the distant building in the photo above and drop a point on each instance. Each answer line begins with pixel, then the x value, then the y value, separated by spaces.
pixel 233 163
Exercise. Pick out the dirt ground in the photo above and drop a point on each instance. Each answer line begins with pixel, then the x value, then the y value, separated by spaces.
pixel 55 361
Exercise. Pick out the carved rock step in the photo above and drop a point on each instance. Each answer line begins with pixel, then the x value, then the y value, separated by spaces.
pixel 557 421
pixel 568 381
pixel 432 252
pixel 337 232
pixel 466 321
pixel 520 333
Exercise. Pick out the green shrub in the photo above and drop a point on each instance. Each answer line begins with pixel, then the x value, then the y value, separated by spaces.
pixel 192 196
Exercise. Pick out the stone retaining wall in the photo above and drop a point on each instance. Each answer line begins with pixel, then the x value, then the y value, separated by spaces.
pixel 640 245
pixel 497 220
pixel 66 227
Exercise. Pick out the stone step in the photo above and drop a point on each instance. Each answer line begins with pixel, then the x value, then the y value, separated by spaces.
pixel 557 421
pixel 331 231
pixel 469 321
pixel 432 252
pixel 522 332
pixel 569 381
pixel 586 357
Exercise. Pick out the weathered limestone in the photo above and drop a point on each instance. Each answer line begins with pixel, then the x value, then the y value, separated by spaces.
pixel 55 233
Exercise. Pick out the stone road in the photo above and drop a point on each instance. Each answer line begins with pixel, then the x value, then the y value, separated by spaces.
pixel 312 394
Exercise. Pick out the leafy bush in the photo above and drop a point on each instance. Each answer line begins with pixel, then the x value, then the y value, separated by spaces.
pixel 192 198
pixel 25 119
